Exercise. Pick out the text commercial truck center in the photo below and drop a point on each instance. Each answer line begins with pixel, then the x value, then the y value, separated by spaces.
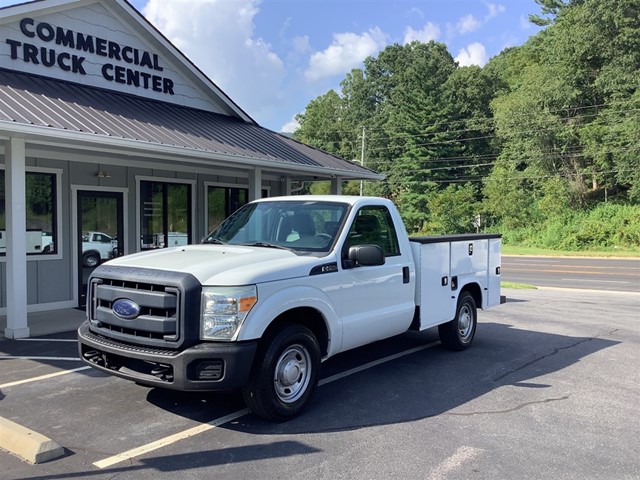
pixel 279 286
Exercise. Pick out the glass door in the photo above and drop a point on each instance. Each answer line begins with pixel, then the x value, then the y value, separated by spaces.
pixel 100 233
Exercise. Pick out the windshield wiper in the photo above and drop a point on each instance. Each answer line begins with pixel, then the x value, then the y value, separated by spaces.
pixel 264 244
pixel 214 241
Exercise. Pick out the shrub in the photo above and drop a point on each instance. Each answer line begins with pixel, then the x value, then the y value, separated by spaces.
pixel 607 226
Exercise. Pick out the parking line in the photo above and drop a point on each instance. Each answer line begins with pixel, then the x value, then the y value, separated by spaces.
pixel 69 340
pixel 163 442
pixel 135 452
pixel 375 363
pixel 42 377
pixel 461 456
pixel 20 357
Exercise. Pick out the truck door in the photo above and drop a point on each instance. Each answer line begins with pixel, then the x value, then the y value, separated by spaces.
pixel 377 301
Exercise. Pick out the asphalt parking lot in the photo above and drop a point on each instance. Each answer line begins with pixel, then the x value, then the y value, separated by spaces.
pixel 550 389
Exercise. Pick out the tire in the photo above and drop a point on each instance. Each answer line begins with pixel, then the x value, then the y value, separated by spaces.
pixel 90 260
pixel 459 332
pixel 284 375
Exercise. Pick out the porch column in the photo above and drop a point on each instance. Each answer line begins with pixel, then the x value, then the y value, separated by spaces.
pixel 255 184
pixel 336 186
pixel 15 225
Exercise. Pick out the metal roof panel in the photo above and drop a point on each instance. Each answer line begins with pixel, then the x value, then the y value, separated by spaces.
pixel 34 100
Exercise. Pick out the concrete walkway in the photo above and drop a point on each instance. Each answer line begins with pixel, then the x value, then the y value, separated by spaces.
pixel 49 322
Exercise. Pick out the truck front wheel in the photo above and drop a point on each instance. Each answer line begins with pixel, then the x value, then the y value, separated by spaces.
pixel 284 375
pixel 90 259
pixel 459 332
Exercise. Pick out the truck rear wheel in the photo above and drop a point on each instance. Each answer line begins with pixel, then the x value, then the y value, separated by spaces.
pixel 284 375
pixel 459 332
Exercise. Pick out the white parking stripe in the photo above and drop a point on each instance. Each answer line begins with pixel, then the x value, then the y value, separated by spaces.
pixel 42 377
pixel 375 363
pixel 47 340
pixel 163 442
pixel 19 357
pixel 454 462
pixel 136 452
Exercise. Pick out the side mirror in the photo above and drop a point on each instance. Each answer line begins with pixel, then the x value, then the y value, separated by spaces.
pixel 366 255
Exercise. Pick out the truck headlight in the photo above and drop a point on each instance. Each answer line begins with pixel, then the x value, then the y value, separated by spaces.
pixel 224 309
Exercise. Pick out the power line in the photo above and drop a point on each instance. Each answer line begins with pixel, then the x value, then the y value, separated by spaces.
pixel 549 154
pixel 489 120
pixel 481 179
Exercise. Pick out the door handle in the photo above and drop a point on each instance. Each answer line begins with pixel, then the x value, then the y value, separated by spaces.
pixel 406 275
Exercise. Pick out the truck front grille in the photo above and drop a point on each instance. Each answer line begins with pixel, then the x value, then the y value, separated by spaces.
pixel 153 312
pixel 158 309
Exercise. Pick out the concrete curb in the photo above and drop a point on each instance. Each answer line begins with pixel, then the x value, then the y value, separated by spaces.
pixel 31 446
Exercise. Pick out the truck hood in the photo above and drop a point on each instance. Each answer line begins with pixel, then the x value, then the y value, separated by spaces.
pixel 225 264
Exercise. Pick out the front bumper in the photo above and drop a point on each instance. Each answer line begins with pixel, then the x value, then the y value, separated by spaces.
pixel 205 366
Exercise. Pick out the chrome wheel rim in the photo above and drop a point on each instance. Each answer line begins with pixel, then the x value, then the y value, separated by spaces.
pixel 292 373
pixel 465 323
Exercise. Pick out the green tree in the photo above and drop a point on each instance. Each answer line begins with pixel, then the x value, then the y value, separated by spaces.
pixel 453 210
pixel 567 115
pixel 320 124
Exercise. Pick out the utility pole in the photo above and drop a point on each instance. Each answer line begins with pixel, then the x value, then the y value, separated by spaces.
pixel 362 161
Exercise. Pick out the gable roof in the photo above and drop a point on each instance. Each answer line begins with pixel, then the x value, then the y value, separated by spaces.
pixel 59 109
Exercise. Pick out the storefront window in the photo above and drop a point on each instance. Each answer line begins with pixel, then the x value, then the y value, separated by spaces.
pixel 40 211
pixel 165 214
pixel 222 202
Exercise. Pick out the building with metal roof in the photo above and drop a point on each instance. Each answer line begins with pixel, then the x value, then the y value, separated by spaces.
pixel 112 142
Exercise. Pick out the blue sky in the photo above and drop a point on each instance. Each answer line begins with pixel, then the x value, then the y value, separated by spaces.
pixel 272 57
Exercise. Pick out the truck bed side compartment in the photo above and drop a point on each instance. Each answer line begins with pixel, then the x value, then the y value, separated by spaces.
pixel 446 264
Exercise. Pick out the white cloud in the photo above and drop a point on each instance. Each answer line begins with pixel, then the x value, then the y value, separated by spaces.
pixel 473 54
pixel 346 51
pixel 291 126
pixel 415 12
pixel 525 24
pixel 467 24
pixel 218 36
pixel 429 32
pixel 301 44
pixel 494 10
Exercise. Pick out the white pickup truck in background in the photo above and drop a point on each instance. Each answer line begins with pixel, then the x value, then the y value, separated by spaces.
pixel 97 247
pixel 38 241
pixel 279 286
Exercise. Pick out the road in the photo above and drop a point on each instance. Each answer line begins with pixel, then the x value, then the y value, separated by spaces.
pixel 573 272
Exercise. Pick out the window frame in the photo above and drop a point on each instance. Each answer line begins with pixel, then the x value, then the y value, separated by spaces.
pixel 390 223
pixel 57 213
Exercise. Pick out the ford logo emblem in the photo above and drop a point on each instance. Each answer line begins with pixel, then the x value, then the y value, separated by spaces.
pixel 125 308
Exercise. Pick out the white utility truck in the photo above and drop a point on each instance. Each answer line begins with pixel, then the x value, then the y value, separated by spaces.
pixel 279 286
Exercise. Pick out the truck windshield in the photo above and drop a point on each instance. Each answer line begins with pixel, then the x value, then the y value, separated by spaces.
pixel 305 227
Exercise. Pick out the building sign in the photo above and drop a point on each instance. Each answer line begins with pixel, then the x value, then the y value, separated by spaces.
pixel 67 50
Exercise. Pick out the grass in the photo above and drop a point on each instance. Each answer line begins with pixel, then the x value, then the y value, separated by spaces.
pixel 517 250
pixel 517 286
